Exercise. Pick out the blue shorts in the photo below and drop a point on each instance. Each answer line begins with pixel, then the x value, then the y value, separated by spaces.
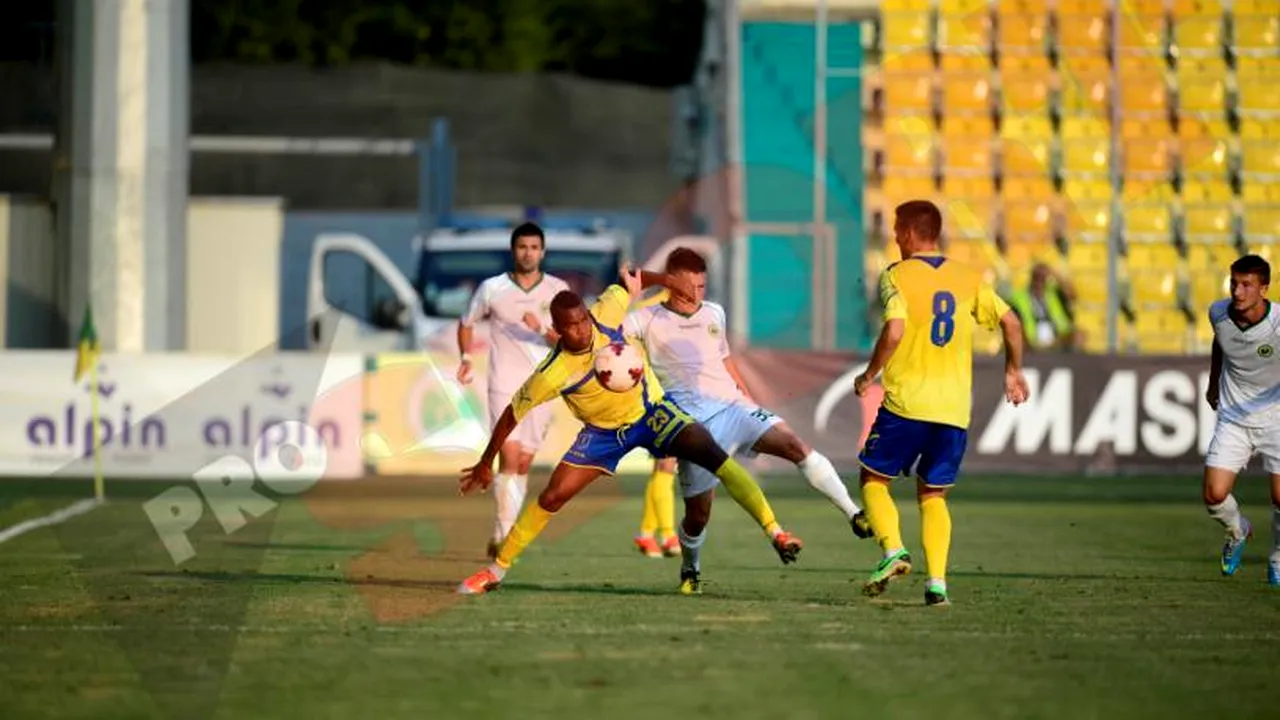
pixel 896 443
pixel 603 449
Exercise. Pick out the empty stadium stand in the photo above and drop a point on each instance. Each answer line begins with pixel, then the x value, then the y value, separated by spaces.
pixel 1049 129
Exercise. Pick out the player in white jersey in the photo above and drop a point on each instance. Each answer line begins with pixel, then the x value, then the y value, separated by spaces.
pixel 684 337
pixel 517 306
pixel 1244 388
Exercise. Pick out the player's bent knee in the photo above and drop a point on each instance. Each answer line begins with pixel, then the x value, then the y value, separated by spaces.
pixel 870 476
pixel 695 444
pixel 782 442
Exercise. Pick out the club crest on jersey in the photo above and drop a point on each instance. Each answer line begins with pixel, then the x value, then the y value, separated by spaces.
pixel 1265 351
pixel 713 329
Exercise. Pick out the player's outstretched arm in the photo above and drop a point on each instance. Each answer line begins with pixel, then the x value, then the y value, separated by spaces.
pixel 1016 389
pixel 480 475
pixel 1215 372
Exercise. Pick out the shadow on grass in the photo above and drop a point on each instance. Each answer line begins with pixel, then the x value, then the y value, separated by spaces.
pixel 299 579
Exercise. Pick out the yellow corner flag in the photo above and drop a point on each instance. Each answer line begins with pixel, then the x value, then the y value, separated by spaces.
pixel 87 352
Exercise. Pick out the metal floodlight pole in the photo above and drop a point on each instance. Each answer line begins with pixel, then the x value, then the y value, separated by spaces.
pixel 821 239
pixel 1113 225
pixel 740 310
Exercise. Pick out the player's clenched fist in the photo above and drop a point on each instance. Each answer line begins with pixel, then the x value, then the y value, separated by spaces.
pixel 861 383
pixel 464 371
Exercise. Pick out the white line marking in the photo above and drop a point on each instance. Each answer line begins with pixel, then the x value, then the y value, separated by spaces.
pixel 53 518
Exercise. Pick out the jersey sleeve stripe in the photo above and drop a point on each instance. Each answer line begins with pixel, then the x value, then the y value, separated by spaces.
pixel 569 390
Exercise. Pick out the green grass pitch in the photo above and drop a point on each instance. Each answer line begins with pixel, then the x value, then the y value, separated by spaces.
pixel 1073 598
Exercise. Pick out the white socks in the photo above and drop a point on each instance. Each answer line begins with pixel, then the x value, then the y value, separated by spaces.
pixel 822 475
pixel 508 493
pixel 690 548
pixel 1227 512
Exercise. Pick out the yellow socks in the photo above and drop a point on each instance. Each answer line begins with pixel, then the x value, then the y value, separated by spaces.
pixel 649 521
pixel 744 491
pixel 531 522
pixel 663 487
pixel 935 534
pixel 883 515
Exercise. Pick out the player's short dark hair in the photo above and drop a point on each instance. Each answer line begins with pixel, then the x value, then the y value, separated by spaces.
pixel 1253 265
pixel 565 300
pixel 922 217
pixel 528 229
pixel 684 259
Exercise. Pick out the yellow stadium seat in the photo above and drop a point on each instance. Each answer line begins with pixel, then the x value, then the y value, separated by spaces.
pixel 1028 222
pixel 1143 94
pixel 1024 93
pixel 980 188
pixel 1213 257
pixel 1022 254
pixel 977 252
pixel 1256 33
pixel 1258 95
pixel 1076 190
pixel 966 94
pixel 1025 157
pixel 1149 287
pixel 1022 32
pixel 1140 191
pixel 967 127
pixel 1191 8
pixel 1086 258
pixel 1197 35
pixel 898 189
pixel 1141 33
pixel 1153 256
pixel 1088 220
pixel 1026 127
pixel 907 93
pixel 909 153
pixel 1202 94
pixel 1200 191
pixel 1146 159
pixel 1260 157
pixel 1161 332
pixel 1204 158
pixel 1084 93
pixel 1261 223
pixel 1145 129
pixel 1267 251
pixel 968 157
pixel 905 31
pixel 1082 34
pixel 1206 287
pixel 1257 191
pixel 1256 7
pixel 902 5
pixel 1250 68
pixel 1090 287
pixel 1195 127
pixel 964 31
pixel 1085 128
pixel 969 219
pixel 1091 321
pixel 1028 188
pixel 1208 223
pixel 1086 157
pixel 1150 222
pixel 1260 129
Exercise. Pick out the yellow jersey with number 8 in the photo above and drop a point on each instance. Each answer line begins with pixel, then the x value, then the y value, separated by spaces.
pixel 929 377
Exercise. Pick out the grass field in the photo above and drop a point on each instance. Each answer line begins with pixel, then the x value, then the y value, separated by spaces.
pixel 1072 598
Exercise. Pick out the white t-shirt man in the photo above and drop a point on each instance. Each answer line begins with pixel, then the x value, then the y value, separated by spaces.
pixel 1248 391
pixel 515 349
pixel 687 353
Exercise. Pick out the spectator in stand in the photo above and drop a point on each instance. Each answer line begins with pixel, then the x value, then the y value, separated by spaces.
pixel 1044 308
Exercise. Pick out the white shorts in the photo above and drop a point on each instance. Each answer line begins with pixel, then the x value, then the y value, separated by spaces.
pixel 1233 446
pixel 735 428
pixel 531 430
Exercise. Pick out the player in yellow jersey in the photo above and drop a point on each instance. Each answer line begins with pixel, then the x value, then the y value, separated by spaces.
pixel 613 425
pixel 659 517
pixel 931 307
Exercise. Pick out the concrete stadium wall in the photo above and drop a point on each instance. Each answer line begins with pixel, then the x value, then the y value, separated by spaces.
pixel 521 139
pixel 233 269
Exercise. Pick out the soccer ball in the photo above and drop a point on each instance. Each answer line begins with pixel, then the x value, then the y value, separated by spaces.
pixel 619 366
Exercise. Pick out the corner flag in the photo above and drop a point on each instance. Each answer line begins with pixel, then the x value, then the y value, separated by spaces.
pixel 87 351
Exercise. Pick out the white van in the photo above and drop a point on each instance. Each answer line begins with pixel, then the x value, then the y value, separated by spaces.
pixel 381 310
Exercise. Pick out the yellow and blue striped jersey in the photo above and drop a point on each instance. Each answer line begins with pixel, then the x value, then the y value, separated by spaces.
pixel 572 375
pixel 940 301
